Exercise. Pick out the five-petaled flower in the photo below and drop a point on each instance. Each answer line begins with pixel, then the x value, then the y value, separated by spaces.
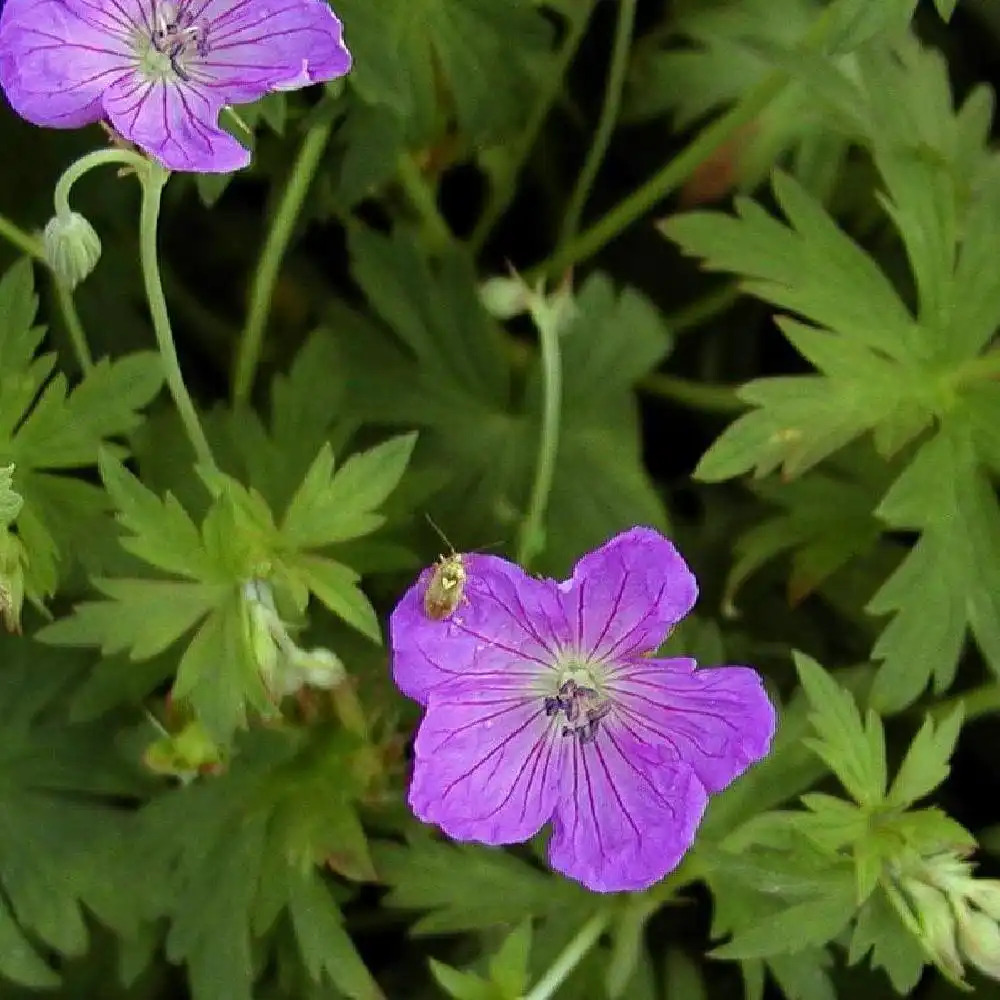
pixel 543 702
pixel 160 71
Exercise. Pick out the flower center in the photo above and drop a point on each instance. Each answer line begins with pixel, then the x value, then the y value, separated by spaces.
pixel 172 43
pixel 581 700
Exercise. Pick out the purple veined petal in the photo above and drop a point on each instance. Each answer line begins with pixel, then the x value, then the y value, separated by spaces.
pixel 623 819
pixel 507 624
pixel 254 46
pixel 624 597
pixel 58 56
pixel 488 765
pixel 176 123
pixel 719 719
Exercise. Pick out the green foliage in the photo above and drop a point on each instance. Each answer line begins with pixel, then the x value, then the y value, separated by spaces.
pixel 204 761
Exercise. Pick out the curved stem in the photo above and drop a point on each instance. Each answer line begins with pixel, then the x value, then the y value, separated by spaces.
pixel 696 395
pixel 77 336
pixel 530 540
pixel 424 202
pixel 275 247
pixel 96 159
pixel 569 958
pixel 25 242
pixel 153 178
pixel 505 185
pixel 982 700
pixel 674 173
pixel 703 309
pixel 624 30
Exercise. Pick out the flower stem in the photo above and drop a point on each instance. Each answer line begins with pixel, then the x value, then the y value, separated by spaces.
pixel 23 241
pixel 424 202
pixel 695 395
pixel 569 958
pixel 99 158
pixel 674 173
pixel 696 313
pixel 982 700
pixel 153 178
pixel 73 326
pixel 275 247
pixel 624 30
pixel 505 185
pixel 531 541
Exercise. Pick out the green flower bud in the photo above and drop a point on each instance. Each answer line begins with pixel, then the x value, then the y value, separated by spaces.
pixel 504 298
pixel 72 247
pixel 12 563
pixel 937 925
pixel 319 668
pixel 985 893
pixel 979 937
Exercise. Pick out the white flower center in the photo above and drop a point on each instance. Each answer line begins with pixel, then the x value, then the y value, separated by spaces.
pixel 167 50
pixel 580 696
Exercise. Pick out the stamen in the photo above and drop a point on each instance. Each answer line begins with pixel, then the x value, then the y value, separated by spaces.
pixel 584 707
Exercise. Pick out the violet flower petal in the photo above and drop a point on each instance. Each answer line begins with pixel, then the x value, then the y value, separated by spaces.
pixel 256 46
pixel 487 765
pixel 623 821
pixel 719 719
pixel 506 621
pixel 58 56
pixel 175 123
pixel 624 597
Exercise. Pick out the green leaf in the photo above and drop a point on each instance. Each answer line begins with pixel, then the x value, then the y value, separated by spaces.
pixel 338 507
pixel 802 925
pixel 509 966
pixel 880 932
pixel 336 586
pixel 853 750
pixel 925 765
pixel 162 533
pixel 809 266
pixel 10 502
pixel 804 975
pixel 954 568
pixel 468 887
pixel 482 50
pixel 326 947
pixel 459 984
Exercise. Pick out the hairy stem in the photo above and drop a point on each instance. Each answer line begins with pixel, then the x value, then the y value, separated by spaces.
pixel 275 246
pixel 695 395
pixel 99 158
pixel 624 30
pixel 77 336
pixel 569 958
pixel 153 178
pixel 505 185
pixel 674 173
pixel 422 198
pixel 530 540
pixel 18 238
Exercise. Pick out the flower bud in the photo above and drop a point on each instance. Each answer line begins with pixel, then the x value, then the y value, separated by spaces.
pixel 985 893
pixel 319 668
pixel 72 247
pixel 937 925
pixel 12 562
pixel 504 298
pixel 979 937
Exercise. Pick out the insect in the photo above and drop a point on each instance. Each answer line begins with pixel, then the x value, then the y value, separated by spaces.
pixel 447 583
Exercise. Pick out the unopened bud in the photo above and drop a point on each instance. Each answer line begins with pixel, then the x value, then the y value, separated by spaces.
pixel 505 298
pixel 979 937
pixel 320 668
pixel 12 561
pixel 937 925
pixel 72 247
pixel 985 893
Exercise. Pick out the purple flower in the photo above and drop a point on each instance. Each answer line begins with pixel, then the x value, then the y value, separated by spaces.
pixel 542 702
pixel 161 70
